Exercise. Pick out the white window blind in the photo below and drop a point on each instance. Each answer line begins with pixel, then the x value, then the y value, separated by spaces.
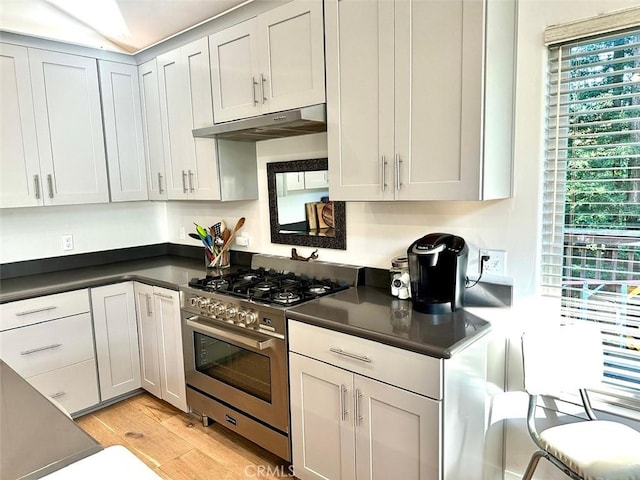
pixel 591 211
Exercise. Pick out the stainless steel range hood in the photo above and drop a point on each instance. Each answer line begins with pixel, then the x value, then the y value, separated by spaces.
pixel 300 121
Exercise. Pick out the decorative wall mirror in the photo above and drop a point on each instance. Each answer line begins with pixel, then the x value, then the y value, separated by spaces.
pixel 300 209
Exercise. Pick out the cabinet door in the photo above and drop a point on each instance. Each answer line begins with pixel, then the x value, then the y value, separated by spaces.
pixel 185 103
pixel 360 103
pixel 321 420
pixel 202 169
pixel 397 432
pixel 20 182
pixel 69 124
pixel 294 181
pixel 235 72
pixel 116 334
pixel 148 339
pixel 173 99
pixel 292 55
pixel 152 130
pixel 438 116
pixel 121 112
pixel 167 317
pixel 316 179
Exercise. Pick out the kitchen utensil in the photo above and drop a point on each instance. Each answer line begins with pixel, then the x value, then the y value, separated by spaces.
pixel 201 231
pixel 227 244
pixel 216 229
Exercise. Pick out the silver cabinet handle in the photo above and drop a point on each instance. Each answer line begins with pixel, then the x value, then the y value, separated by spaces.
pixel 163 295
pixel 41 349
pixel 148 299
pixel 254 84
pixel 358 409
pixel 50 185
pixel 36 186
pixel 263 81
pixel 227 335
pixel 184 182
pixel 58 395
pixel 160 190
pixel 37 310
pixel 339 351
pixel 343 402
pixel 384 173
pixel 398 162
pixel 190 181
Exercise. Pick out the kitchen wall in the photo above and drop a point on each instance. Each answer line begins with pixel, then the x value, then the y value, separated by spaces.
pixel 32 233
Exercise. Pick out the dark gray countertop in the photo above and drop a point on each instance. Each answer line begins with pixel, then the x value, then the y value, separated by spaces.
pixel 35 437
pixel 167 271
pixel 372 313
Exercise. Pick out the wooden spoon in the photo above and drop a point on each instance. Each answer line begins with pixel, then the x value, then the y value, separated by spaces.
pixel 227 243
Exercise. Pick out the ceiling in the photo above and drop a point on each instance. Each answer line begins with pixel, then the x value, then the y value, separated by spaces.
pixel 116 25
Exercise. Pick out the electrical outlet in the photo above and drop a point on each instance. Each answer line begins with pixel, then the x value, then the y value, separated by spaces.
pixel 182 234
pixel 242 241
pixel 67 242
pixel 497 263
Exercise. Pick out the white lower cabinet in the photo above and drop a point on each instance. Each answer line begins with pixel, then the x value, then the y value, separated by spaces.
pixel 48 340
pixel 161 357
pixel 347 426
pixel 116 332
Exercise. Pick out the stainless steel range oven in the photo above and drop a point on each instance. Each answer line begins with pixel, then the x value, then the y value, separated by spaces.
pixel 234 336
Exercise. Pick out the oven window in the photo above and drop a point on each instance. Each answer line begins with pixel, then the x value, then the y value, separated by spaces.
pixel 243 369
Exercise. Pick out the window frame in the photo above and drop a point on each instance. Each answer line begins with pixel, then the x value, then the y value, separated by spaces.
pixel 553 233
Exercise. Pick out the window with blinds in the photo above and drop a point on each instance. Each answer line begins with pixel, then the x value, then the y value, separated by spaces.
pixel 591 224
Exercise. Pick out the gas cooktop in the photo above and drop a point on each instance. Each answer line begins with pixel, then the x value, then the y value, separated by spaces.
pixel 269 286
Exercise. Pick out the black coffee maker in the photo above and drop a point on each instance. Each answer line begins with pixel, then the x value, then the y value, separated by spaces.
pixel 438 272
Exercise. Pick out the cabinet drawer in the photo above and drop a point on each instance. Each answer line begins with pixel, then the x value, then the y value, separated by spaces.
pixel 409 370
pixel 47 346
pixel 40 309
pixel 75 387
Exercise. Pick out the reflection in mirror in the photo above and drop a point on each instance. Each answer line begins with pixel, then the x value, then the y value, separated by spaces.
pixel 300 208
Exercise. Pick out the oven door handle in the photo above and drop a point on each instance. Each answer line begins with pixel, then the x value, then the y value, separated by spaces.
pixel 227 335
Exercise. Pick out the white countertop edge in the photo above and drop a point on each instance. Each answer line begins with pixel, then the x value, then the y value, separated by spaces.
pixel 111 463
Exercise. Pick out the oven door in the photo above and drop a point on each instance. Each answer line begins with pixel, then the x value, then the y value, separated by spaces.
pixel 245 369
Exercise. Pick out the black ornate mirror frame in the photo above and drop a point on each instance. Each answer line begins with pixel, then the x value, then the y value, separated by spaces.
pixel 338 242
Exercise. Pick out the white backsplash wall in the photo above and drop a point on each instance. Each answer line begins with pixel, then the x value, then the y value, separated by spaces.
pixel 378 231
pixel 34 233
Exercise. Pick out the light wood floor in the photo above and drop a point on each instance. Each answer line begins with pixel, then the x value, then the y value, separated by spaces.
pixel 176 445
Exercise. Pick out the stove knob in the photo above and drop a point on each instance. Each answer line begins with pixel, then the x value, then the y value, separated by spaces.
pixel 241 318
pixel 193 301
pixel 231 312
pixel 202 302
pixel 251 317
pixel 211 309
pixel 219 309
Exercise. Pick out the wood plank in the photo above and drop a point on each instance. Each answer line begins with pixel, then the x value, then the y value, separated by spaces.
pixel 176 445
pixel 196 465
pixel 142 433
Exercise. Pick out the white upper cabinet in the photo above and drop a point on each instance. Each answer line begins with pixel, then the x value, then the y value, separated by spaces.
pixel 185 103
pixel 270 63
pixel 123 131
pixel 68 118
pixel 52 149
pixel 409 121
pixel 152 130
pixel 20 181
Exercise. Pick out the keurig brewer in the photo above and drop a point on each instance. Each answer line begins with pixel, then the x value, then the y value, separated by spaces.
pixel 438 271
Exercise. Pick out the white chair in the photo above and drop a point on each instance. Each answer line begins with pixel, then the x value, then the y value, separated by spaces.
pixel 567 358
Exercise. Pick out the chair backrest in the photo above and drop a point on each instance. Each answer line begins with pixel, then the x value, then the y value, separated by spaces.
pixel 562 358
